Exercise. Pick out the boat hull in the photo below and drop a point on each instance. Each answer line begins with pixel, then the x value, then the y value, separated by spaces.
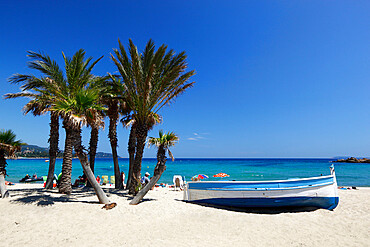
pixel 318 202
pixel 320 192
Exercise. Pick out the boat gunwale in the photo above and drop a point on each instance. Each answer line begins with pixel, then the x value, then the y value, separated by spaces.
pixel 266 189
pixel 266 181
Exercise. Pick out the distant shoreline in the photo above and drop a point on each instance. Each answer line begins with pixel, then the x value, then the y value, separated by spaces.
pixel 47 158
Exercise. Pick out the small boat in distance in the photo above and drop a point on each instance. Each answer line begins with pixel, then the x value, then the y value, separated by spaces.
pixel 319 192
pixel 29 179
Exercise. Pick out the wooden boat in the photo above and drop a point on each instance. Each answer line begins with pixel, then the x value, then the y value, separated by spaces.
pixel 319 192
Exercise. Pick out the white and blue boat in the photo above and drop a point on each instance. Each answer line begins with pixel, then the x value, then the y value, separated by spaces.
pixel 318 192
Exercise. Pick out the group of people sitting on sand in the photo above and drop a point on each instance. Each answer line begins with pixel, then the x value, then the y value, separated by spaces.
pixel 82 180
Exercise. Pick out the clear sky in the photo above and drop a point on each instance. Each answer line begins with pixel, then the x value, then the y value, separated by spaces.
pixel 274 78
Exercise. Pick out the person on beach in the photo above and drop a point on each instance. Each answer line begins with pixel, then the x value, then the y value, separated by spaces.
pixel 77 182
pixel 98 179
pixel 145 180
pixel 83 178
pixel 123 179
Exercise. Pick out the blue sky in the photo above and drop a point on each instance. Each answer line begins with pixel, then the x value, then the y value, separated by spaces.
pixel 274 78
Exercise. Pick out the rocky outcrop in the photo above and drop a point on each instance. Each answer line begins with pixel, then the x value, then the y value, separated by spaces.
pixel 353 160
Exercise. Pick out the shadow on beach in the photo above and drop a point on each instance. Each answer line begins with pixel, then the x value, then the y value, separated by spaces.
pixel 276 210
pixel 41 197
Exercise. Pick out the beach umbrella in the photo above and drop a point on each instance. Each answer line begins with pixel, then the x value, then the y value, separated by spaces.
pixel 221 175
pixel 200 176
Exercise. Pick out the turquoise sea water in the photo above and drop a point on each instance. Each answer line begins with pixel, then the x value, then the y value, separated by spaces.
pixel 238 169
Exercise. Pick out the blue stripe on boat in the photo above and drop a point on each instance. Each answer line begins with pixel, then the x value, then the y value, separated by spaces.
pixel 319 202
pixel 227 185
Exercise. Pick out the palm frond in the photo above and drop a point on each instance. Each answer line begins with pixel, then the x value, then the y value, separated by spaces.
pixel 9 143
pixel 151 79
pixel 165 141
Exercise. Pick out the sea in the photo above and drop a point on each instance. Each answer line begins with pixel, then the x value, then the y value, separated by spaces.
pixel 348 174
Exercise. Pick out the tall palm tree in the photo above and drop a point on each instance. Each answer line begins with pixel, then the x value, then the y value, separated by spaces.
pixel 8 146
pixel 163 143
pixel 42 94
pixel 38 107
pixel 77 77
pixel 95 126
pixel 152 79
pixel 129 120
pixel 114 101
pixel 93 144
pixel 53 85
pixel 78 108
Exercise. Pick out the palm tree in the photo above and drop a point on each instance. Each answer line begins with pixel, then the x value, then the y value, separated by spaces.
pixel 42 94
pixel 94 135
pixel 129 120
pixel 93 144
pixel 152 80
pixel 79 108
pixel 8 146
pixel 114 101
pixel 77 77
pixel 163 143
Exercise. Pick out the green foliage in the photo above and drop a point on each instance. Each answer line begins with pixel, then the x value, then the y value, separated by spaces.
pixel 74 93
pixel 8 142
pixel 9 137
pixel 82 104
pixel 151 79
pixel 164 141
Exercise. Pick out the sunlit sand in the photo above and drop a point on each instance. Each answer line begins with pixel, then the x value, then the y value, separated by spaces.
pixel 33 217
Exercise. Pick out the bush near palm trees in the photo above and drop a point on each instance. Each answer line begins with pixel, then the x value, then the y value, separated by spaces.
pixel 151 80
pixel 163 143
pixel 8 146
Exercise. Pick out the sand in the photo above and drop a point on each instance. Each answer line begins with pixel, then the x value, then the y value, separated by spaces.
pixel 33 217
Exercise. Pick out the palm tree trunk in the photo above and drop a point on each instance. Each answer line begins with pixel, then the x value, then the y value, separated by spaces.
pixel 82 156
pixel 94 137
pixel 131 153
pixel 112 135
pixel 141 134
pixel 3 191
pixel 53 148
pixel 158 171
pixel 65 183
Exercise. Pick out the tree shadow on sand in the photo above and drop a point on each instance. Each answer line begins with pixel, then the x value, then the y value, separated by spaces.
pixel 41 197
pixel 276 210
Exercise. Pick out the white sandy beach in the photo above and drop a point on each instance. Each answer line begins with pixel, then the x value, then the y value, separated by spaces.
pixel 33 217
